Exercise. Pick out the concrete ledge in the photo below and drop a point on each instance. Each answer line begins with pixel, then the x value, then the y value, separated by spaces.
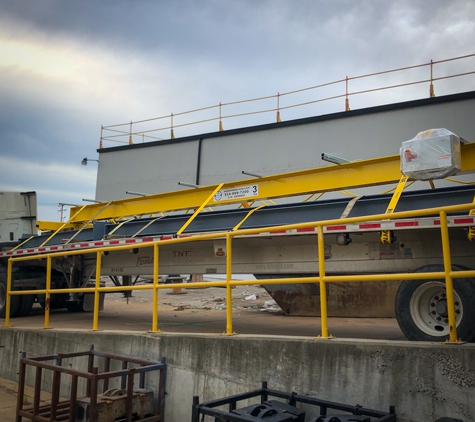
pixel 424 381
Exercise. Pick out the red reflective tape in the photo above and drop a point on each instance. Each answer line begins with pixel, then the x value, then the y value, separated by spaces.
pixel 84 245
pixel 114 242
pixel 167 237
pixel 307 229
pixel 330 228
pixel 9 253
pixel 436 222
pixel 30 250
pixel 463 220
pixel 370 226
pixel 184 235
pixel 72 245
pixel 41 249
pixel 406 224
pixel 98 243
pixel 278 231
pixel 130 241
pixel 53 248
pixel 19 252
pixel 147 239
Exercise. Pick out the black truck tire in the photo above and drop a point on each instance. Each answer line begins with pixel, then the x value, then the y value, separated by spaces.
pixel 20 305
pixel 421 307
pixel 14 300
pixel 26 303
pixel 57 300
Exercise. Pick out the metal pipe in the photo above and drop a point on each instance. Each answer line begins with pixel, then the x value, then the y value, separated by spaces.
pixel 449 286
pixel 9 289
pixel 37 392
pixel 198 162
pixel 48 290
pixel 229 274
pixel 155 290
pixel 334 159
pixel 248 173
pixel 128 192
pixel 96 290
pixel 189 185
pixel 73 398
pixel 321 275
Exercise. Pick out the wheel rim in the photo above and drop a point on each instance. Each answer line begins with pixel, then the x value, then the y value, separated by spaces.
pixel 429 310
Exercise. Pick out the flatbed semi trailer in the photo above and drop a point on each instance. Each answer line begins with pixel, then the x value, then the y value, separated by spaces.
pixel 412 245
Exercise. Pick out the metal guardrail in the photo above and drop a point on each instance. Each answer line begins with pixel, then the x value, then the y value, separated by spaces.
pixel 141 130
pixel 65 410
pixel 448 275
pixel 215 407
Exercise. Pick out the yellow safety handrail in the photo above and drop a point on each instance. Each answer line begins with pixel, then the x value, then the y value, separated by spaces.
pixel 322 278
pixel 126 132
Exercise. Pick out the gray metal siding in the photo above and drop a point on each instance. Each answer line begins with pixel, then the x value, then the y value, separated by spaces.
pixel 159 167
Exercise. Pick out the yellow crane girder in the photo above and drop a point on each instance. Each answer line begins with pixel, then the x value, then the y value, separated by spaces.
pixel 355 174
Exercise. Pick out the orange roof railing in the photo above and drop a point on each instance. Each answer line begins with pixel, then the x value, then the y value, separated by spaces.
pixel 145 130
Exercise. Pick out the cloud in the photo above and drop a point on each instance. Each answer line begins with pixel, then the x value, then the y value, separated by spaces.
pixel 66 68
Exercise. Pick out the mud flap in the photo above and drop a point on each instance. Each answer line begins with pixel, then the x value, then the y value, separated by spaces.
pixel 88 305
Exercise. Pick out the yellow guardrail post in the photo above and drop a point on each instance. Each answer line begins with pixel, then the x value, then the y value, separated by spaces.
pixel 96 291
pixel 449 286
pixel 48 292
pixel 8 296
pixel 155 290
pixel 229 298
pixel 321 275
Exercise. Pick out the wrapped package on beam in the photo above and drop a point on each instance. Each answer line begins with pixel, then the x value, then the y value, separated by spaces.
pixel 432 154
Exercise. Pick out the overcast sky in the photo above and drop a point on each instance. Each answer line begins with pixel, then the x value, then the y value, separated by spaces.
pixel 69 66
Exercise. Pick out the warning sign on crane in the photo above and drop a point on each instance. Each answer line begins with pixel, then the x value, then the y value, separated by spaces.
pixel 236 193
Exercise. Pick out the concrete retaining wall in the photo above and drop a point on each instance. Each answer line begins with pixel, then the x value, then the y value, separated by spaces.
pixel 425 381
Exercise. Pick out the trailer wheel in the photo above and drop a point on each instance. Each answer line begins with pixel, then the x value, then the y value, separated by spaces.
pixel 57 300
pixel 421 307
pixel 14 300
pixel 26 303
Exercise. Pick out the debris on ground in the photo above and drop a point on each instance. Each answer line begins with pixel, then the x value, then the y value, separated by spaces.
pixel 182 307
pixel 210 298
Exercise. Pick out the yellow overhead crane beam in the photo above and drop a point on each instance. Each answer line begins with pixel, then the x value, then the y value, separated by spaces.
pixel 356 174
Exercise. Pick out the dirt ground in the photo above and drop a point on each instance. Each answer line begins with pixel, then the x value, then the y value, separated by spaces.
pixel 203 310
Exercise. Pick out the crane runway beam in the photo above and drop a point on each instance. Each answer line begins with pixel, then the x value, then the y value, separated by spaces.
pixel 272 215
pixel 356 174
